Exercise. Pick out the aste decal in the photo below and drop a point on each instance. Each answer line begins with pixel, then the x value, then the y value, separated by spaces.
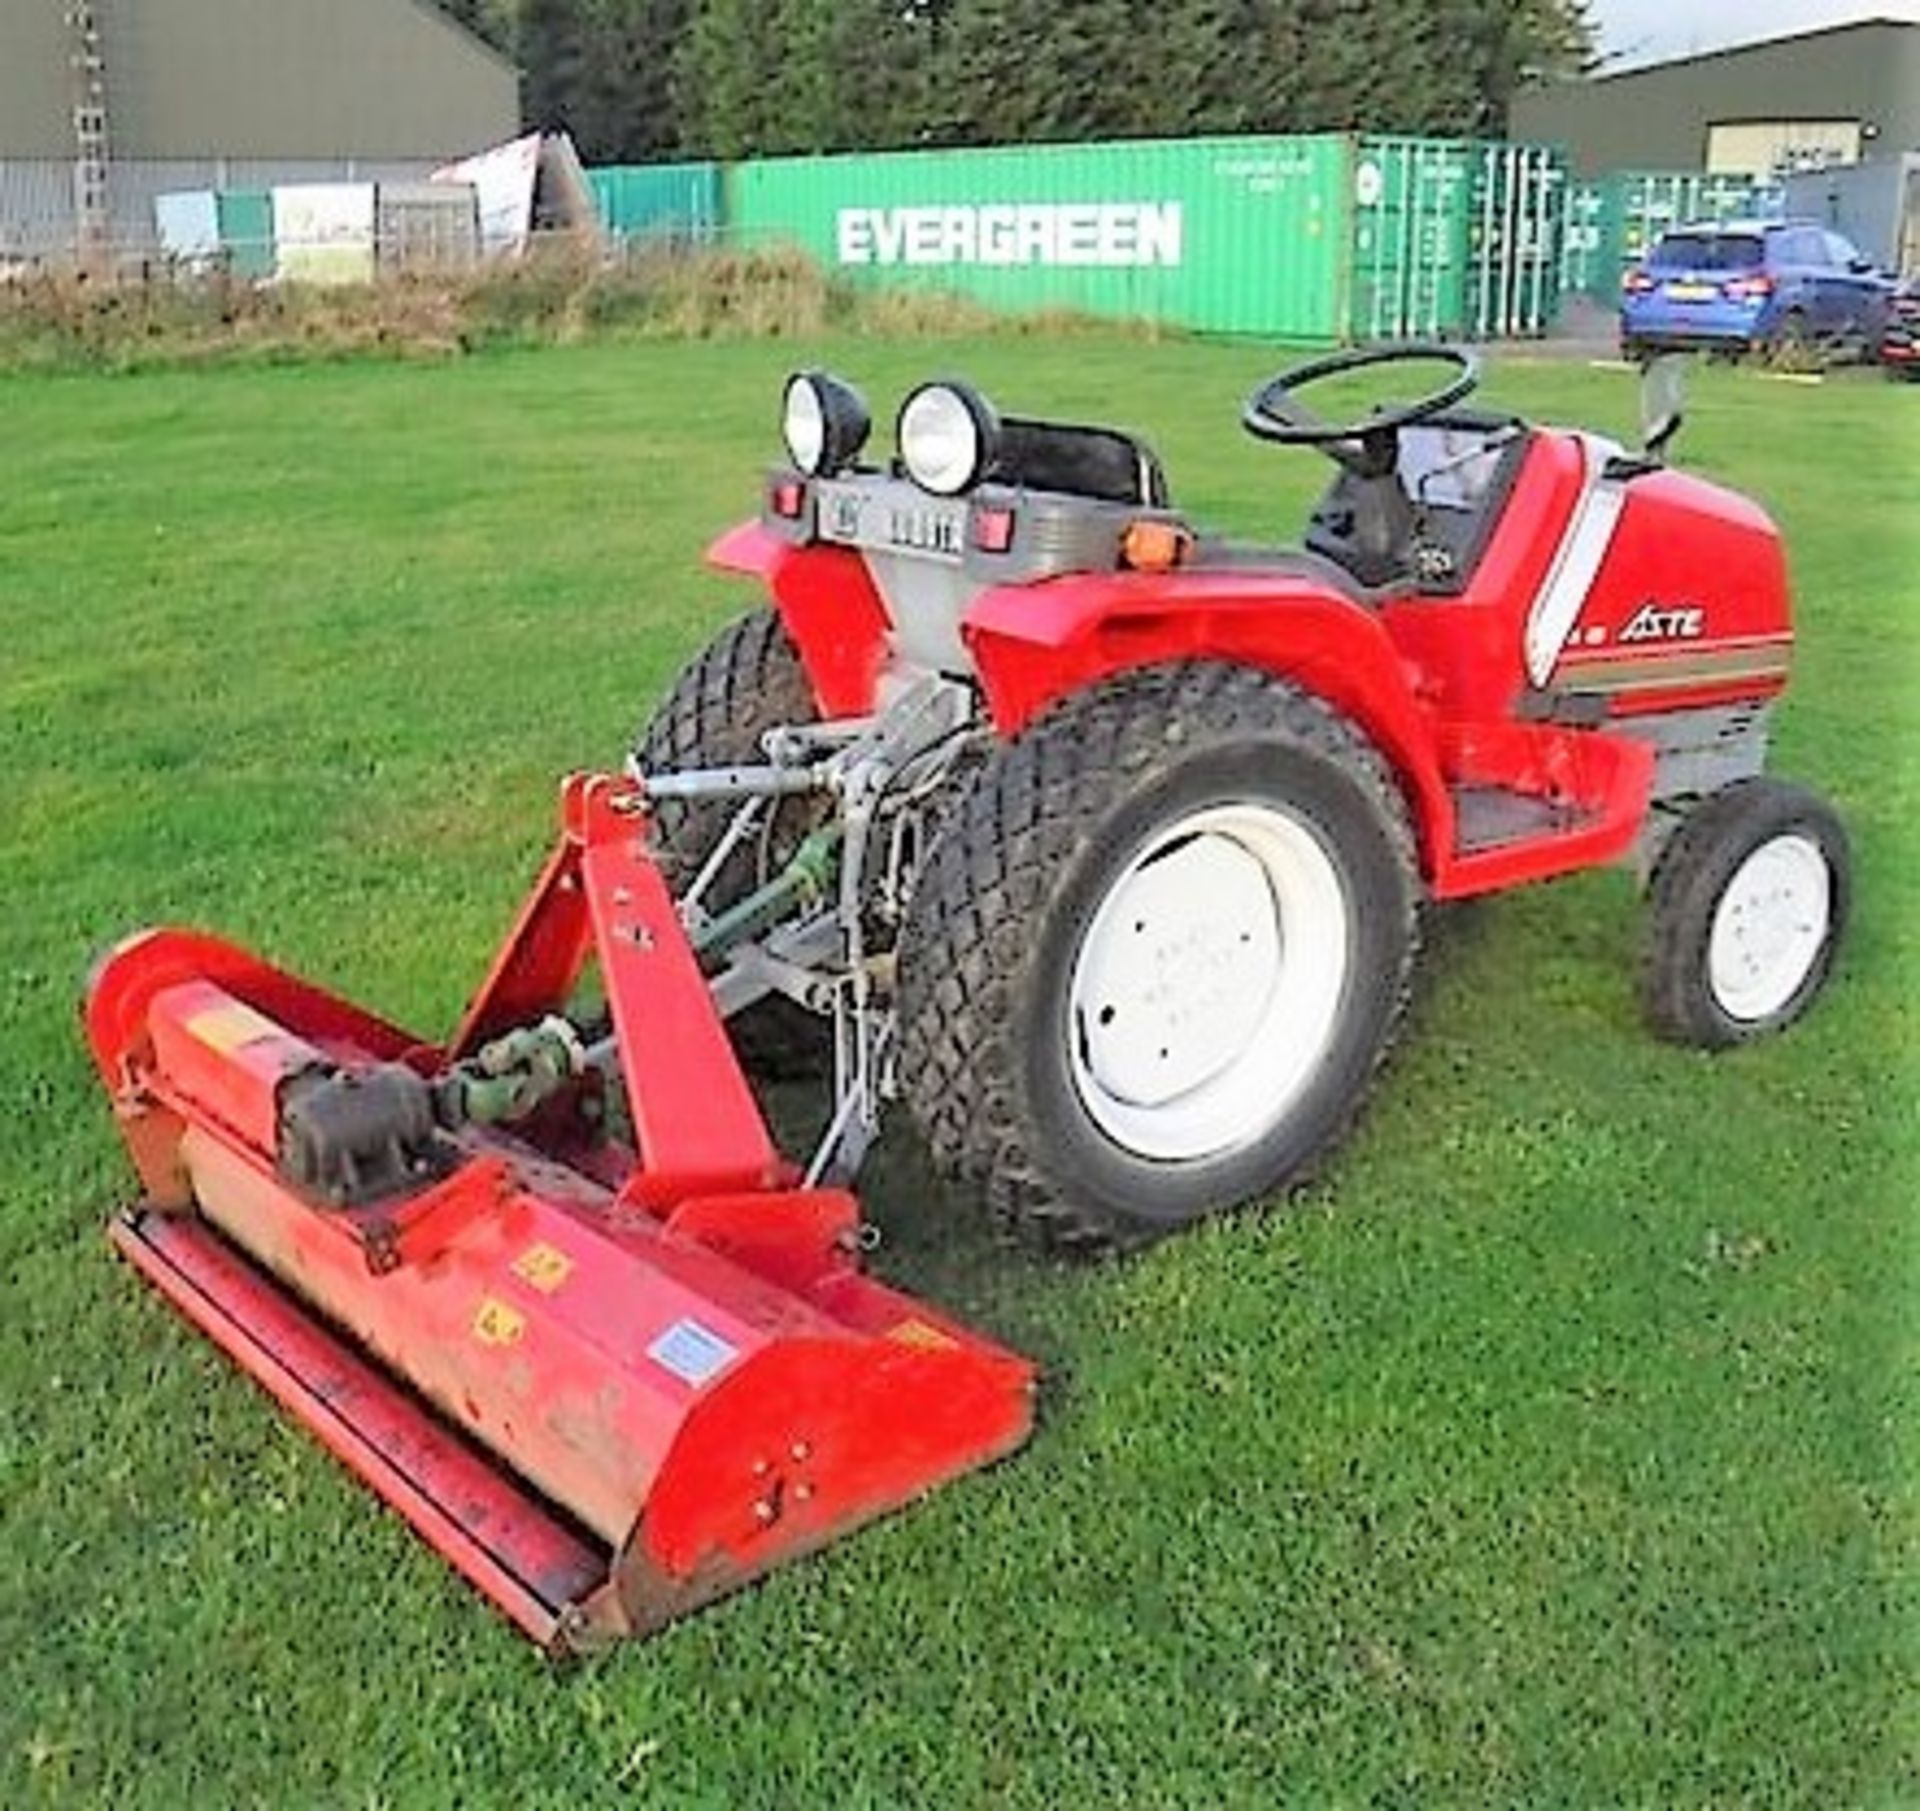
pixel 1097 234
pixel 1658 622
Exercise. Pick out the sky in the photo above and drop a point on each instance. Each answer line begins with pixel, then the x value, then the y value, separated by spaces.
pixel 1634 31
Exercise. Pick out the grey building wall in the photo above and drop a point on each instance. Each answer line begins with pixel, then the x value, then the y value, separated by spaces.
pixel 1876 205
pixel 36 105
pixel 1657 118
pixel 269 79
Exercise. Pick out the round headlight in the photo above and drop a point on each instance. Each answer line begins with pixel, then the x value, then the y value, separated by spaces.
pixel 947 437
pixel 824 422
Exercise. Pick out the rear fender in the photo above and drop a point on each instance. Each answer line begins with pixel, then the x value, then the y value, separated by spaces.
pixel 828 604
pixel 1035 644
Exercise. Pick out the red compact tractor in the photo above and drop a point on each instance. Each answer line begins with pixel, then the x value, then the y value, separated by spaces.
pixel 1096 841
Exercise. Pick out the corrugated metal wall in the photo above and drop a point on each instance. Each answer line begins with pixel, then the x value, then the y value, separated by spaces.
pixel 1411 201
pixel 1517 210
pixel 1876 205
pixel 680 202
pixel 36 207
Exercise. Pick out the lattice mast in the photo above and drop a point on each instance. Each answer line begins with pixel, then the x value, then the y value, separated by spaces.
pixel 92 214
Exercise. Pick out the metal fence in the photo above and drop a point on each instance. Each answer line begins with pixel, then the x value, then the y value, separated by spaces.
pixel 38 218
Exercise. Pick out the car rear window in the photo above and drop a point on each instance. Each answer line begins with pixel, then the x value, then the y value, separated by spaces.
pixel 1707 251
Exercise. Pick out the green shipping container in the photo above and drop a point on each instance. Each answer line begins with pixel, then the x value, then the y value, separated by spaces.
pixel 246 230
pixel 1410 237
pixel 1312 238
pixel 678 201
pixel 1228 235
pixel 1614 222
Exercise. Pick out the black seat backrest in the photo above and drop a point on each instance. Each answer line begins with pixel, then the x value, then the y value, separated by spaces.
pixel 1102 463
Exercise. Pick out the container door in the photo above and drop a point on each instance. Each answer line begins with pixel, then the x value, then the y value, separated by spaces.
pixel 1410 238
pixel 1519 204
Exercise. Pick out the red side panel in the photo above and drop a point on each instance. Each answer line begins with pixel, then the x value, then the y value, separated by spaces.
pixel 1467 650
pixel 826 599
pixel 1597 786
pixel 1690 608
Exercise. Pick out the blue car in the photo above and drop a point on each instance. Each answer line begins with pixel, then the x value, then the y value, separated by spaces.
pixel 1780 287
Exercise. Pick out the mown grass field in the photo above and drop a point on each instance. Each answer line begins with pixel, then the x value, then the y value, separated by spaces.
pixel 1558 1449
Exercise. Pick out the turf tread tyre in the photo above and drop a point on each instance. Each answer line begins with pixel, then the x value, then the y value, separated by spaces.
pixel 1033 817
pixel 747 680
pixel 1694 871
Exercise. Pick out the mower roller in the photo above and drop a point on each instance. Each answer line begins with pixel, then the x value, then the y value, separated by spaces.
pixel 1097 842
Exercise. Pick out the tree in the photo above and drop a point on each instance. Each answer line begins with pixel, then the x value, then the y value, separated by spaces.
pixel 635 79
pixel 554 63
pixel 493 20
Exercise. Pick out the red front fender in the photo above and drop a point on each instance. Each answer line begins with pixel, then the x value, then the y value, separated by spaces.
pixel 1034 644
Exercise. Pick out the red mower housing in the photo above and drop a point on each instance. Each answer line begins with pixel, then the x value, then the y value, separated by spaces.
pixel 635 1376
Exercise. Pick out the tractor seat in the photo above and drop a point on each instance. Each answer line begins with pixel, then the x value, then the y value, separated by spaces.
pixel 1101 463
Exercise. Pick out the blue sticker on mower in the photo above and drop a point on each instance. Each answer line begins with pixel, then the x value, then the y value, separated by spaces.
pixel 693 1353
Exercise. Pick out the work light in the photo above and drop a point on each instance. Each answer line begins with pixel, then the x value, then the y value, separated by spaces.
pixel 947 434
pixel 825 423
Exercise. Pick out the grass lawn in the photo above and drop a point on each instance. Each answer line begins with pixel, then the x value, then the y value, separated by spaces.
pixel 1557 1449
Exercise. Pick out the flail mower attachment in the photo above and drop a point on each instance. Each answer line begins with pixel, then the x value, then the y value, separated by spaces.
pixel 560 1303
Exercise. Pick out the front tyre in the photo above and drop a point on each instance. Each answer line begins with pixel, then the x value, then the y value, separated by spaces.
pixel 1157 955
pixel 1749 904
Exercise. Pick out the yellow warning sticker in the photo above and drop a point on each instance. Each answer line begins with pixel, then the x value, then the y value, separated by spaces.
pixel 920 1333
pixel 495 1324
pixel 543 1267
pixel 231 1026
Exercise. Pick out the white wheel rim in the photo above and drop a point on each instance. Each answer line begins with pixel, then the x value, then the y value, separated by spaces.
pixel 1207 989
pixel 1769 928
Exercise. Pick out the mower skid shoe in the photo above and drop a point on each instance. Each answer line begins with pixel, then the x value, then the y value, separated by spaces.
pixel 532 1563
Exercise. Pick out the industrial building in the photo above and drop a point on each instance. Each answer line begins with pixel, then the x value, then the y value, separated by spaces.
pixel 1848 94
pixel 106 103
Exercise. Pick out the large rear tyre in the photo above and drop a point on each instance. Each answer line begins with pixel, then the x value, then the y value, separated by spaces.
pixel 1749 903
pixel 747 680
pixel 1158 953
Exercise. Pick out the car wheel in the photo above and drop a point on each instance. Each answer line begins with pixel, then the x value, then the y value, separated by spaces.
pixel 1749 903
pixel 1157 955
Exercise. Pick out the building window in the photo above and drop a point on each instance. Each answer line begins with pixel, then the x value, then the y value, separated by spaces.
pixel 1774 148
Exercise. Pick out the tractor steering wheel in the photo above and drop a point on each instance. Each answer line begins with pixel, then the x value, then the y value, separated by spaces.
pixel 1275 412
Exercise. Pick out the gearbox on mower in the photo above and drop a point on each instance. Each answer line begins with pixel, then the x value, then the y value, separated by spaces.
pixel 1096 841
